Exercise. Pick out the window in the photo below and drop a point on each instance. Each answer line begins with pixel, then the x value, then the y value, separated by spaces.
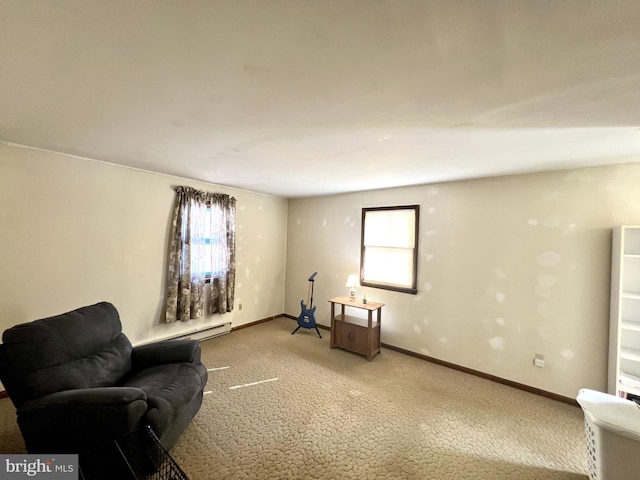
pixel 212 247
pixel 203 241
pixel 389 248
pixel 202 249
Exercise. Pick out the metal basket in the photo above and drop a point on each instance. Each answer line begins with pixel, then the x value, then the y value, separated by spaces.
pixel 137 456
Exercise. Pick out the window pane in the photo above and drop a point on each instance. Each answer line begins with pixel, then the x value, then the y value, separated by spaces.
pixel 207 234
pixel 207 256
pixel 395 228
pixel 201 241
pixel 391 266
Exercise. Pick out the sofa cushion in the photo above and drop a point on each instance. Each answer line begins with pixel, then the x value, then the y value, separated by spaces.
pixel 170 388
pixel 83 348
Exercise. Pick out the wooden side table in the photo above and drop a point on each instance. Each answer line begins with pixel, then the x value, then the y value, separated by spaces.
pixel 358 335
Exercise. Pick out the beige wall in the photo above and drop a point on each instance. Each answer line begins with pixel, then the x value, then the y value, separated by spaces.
pixel 508 267
pixel 74 232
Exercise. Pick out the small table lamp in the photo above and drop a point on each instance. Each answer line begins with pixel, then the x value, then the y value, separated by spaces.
pixel 352 283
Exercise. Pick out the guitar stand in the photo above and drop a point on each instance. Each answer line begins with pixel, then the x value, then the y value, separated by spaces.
pixel 306 318
pixel 298 328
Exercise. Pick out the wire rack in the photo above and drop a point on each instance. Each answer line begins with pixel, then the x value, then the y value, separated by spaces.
pixel 137 456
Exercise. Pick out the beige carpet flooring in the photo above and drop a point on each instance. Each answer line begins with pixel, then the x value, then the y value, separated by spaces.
pixel 285 406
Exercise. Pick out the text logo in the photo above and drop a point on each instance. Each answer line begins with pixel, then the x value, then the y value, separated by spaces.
pixel 51 467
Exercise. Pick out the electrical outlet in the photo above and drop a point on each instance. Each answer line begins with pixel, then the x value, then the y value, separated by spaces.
pixel 240 306
pixel 538 360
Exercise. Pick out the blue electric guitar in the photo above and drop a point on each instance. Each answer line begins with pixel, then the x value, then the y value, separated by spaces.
pixel 306 318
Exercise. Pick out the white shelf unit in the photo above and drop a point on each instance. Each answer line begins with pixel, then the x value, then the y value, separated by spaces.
pixel 624 328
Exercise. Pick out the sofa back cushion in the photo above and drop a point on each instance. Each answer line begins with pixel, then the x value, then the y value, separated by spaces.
pixel 83 348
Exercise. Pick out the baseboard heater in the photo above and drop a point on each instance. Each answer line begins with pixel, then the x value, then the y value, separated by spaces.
pixel 206 333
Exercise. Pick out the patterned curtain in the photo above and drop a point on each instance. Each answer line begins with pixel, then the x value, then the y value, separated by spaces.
pixel 196 249
pixel 223 250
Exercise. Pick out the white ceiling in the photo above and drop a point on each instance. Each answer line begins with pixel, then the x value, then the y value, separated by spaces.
pixel 311 97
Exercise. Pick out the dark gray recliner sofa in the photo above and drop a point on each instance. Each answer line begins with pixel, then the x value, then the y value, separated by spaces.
pixel 77 382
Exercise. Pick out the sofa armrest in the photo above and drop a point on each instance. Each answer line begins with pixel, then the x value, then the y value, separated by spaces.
pixel 170 351
pixel 76 420
pixel 95 397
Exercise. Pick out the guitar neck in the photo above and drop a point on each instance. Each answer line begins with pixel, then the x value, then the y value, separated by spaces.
pixel 309 294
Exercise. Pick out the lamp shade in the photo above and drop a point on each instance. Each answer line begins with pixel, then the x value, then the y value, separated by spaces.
pixel 352 281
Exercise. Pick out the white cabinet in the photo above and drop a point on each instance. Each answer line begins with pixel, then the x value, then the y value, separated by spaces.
pixel 624 333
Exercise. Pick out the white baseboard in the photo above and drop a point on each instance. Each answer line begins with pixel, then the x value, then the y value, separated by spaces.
pixel 206 333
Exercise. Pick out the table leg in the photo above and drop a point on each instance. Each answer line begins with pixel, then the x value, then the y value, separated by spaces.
pixel 332 342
